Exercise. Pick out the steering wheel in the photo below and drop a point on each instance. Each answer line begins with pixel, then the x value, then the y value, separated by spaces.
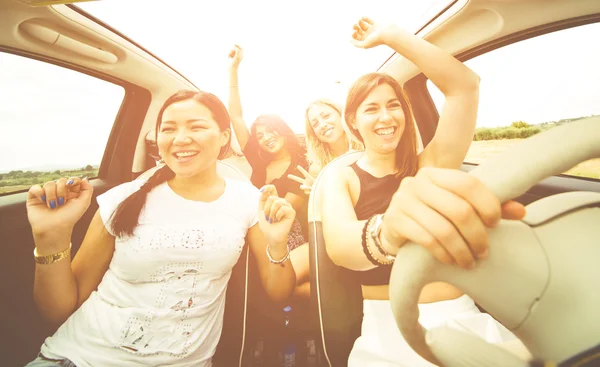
pixel 541 277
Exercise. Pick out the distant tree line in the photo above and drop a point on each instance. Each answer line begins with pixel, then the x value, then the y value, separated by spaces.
pixel 518 129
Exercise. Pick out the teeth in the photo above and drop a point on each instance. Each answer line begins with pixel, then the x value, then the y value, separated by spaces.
pixel 385 131
pixel 185 154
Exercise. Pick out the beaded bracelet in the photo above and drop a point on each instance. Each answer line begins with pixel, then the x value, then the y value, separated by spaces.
pixel 365 246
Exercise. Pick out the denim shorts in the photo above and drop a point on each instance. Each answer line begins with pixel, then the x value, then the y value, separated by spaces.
pixel 42 361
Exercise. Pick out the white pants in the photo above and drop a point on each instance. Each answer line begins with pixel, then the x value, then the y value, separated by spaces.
pixel 382 345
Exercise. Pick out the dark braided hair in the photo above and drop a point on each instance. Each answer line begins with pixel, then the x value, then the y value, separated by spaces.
pixel 126 216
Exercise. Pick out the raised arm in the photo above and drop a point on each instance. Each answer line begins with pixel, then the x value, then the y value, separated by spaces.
pixel 60 287
pixel 458 83
pixel 242 133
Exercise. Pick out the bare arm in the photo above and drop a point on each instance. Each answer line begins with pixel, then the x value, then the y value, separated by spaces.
pixel 278 280
pixel 341 229
pixel 296 201
pixel 460 86
pixel 60 288
pixel 242 132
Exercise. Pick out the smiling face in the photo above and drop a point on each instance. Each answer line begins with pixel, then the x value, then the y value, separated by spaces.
pixel 189 139
pixel 380 119
pixel 269 140
pixel 325 122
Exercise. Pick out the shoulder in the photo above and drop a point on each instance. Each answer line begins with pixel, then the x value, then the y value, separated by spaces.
pixel 314 168
pixel 119 193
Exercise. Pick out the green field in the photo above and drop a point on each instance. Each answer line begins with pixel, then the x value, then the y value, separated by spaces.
pixel 17 180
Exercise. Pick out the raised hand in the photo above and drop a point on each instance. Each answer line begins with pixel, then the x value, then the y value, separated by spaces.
pixel 275 216
pixel 306 182
pixel 58 205
pixel 236 55
pixel 367 34
pixel 446 211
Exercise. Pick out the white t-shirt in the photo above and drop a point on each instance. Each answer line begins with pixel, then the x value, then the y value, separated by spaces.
pixel 161 302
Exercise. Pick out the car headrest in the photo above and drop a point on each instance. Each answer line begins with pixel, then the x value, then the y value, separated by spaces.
pixel 336 298
pixel 314 203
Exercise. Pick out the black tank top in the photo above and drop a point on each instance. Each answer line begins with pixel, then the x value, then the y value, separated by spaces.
pixel 374 198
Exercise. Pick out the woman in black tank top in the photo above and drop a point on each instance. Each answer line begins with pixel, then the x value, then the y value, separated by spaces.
pixel 393 194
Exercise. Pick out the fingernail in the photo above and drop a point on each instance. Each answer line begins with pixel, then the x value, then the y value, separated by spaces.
pixel 266 217
pixel 44 198
pixel 61 201
pixel 53 204
pixel 84 179
pixel 70 182
pixel 484 254
pixel 270 220
pixel 262 189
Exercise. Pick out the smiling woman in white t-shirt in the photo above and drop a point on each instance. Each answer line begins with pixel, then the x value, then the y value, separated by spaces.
pixel 147 286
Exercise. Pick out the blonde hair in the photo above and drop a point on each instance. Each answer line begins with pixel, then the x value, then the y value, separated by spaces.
pixel 318 151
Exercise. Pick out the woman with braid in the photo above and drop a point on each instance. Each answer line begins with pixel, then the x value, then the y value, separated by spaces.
pixel 148 283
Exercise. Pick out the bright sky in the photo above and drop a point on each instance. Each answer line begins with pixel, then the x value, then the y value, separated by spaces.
pixel 294 53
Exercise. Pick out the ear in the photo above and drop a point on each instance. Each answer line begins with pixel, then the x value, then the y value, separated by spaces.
pixel 225 137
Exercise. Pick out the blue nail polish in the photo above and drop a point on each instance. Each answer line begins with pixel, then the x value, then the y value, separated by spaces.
pixel 270 220
pixel 53 204
pixel 266 217
pixel 44 198
pixel 262 189
pixel 61 201
pixel 70 182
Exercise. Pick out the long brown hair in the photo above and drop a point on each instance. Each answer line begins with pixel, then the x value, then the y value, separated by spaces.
pixel 126 216
pixel 318 151
pixel 406 151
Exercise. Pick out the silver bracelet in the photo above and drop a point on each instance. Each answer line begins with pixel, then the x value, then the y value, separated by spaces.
pixel 375 232
pixel 284 259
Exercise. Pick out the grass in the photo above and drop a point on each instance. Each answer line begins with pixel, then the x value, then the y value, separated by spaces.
pixel 481 150
pixel 16 184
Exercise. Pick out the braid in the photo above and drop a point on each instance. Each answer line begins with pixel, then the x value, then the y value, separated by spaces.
pixel 125 218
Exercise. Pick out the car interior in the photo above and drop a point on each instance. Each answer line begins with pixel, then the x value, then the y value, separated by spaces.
pixel 66 45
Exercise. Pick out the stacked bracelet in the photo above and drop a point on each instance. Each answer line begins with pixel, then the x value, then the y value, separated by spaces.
pixel 375 232
pixel 389 259
pixel 365 245
pixel 284 259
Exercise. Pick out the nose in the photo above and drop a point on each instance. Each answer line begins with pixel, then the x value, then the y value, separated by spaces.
pixel 320 126
pixel 181 138
pixel 385 116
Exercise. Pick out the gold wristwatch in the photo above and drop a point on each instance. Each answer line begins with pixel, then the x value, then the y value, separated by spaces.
pixel 50 259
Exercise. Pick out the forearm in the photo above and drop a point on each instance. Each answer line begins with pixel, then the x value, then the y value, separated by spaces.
pixel 344 245
pixel 451 76
pixel 235 109
pixel 282 278
pixel 55 286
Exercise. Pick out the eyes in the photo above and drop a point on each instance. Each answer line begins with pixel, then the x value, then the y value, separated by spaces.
pixel 372 108
pixel 168 128
pixel 316 123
